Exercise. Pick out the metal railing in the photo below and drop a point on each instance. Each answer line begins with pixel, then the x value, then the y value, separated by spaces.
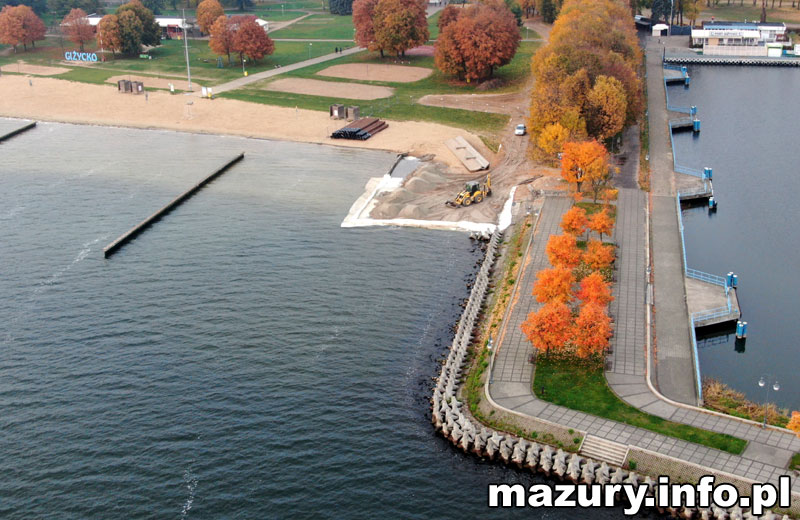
pixel 684 110
pixel 699 191
pixel 671 67
pixel 706 277
pixel 698 381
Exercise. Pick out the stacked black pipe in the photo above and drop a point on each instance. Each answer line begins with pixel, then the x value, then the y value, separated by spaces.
pixel 360 129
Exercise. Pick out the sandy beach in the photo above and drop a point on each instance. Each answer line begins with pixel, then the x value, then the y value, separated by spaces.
pixel 48 99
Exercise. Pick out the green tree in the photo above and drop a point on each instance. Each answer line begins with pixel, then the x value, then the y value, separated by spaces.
pixel 548 11
pixel 342 7
pixel 154 5
pixel 150 32
pixel 130 32
pixel 62 7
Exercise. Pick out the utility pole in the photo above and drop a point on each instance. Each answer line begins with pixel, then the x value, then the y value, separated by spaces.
pixel 186 50
pixel 671 7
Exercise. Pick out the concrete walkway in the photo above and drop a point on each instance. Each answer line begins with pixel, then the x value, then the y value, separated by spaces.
pixel 765 458
pixel 240 82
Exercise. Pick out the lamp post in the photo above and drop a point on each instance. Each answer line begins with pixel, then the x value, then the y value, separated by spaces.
pixel 775 386
pixel 309 50
pixel 244 60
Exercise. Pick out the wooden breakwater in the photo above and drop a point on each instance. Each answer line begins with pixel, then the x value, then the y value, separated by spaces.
pixel 454 421
pixel 112 248
pixel 17 131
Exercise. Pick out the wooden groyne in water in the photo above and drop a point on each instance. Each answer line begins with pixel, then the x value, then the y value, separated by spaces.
pixel 17 131
pixel 112 248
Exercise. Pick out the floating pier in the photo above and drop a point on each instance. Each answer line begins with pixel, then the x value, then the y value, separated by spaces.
pixel 17 131
pixel 685 123
pixel 709 302
pixel 112 248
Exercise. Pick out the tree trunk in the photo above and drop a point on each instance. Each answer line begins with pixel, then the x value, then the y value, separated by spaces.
pixel 381 53
pixel 229 57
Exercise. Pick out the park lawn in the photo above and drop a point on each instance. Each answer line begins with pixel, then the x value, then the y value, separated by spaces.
pixel 582 386
pixel 307 5
pixel 595 207
pixel 318 27
pixel 403 105
pixel 270 13
pixel 433 28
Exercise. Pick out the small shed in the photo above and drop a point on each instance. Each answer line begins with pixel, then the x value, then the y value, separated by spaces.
pixel 353 113
pixel 138 87
pixel 337 112
pixel 124 85
pixel 660 29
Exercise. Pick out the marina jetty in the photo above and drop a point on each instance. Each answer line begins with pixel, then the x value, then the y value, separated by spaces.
pixel 18 131
pixel 114 246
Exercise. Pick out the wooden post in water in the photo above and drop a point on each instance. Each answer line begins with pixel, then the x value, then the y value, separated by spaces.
pixel 17 131
pixel 112 248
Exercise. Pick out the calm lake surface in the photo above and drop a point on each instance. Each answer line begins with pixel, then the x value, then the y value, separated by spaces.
pixel 749 131
pixel 243 358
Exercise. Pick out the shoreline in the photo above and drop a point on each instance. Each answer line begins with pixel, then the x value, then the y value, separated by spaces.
pixel 62 101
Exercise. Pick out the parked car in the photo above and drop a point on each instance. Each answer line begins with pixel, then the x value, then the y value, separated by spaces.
pixel 520 130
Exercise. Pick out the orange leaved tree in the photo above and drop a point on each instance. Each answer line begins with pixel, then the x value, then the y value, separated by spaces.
pixel 221 40
pixel 19 24
pixel 598 255
pixel 562 251
pixel 549 327
pixel 251 40
pixel 591 331
pixel 794 423
pixel 77 27
pixel 207 13
pixel 574 221
pixel 584 162
pixel 554 285
pixel 601 223
pixel 400 25
pixel 594 289
pixel 11 31
pixel 108 35
pixel 449 14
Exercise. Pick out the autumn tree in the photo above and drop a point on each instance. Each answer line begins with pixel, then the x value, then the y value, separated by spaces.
pixel 574 221
pixel 607 106
pixel 594 289
pixel 591 331
pixel 562 251
pixel 554 285
pixel 583 162
pixel 400 25
pixel 449 14
pixel 108 33
pixel 11 31
pixel 552 138
pixel 143 31
pixel 601 223
pixel 363 14
pixel 549 328
pixel 77 27
pixel 598 255
pixel 222 33
pixel 207 13
pixel 251 40
pixel 794 423
pixel 483 38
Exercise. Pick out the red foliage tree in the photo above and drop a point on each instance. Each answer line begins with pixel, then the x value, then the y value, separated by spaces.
pixel 554 285
pixel 562 251
pixel 794 423
pixel 400 25
pixel 363 14
pixel 77 27
pixel 207 13
pixel 449 14
pixel 594 289
pixel 601 223
pixel 484 37
pixel 251 40
pixel 574 221
pixel 11 31
pixel 19 24
pixel 222 33
pixel 591 331
pixel 549 327
pixel 584 162
pixel 598 255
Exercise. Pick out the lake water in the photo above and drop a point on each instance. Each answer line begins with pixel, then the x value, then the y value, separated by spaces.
pixel 749 125
pixel 243 358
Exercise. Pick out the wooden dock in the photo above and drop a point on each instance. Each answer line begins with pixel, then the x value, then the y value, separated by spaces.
pixel 112 248
pixel 17 131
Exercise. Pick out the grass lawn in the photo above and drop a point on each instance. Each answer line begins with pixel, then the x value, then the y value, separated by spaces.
pixel 168 60
pixel 582 386
pixel 433 28
pixel 795 462
pixel 402 106
pixel 271 13
pixel 591 208
pixel 319 27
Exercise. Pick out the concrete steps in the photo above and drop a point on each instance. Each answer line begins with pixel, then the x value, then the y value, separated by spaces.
pixel 603 450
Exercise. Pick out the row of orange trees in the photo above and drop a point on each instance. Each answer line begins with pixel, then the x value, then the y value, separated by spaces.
pixel 238 34
pixel 587 86
pixel 19 25
pixel 576 291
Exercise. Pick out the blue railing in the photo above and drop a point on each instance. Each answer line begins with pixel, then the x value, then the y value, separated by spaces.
pixel 706 277
pixel 698 382
pixel 671 67
pixel 706 189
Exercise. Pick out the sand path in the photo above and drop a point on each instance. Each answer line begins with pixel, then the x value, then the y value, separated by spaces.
pixel 51 99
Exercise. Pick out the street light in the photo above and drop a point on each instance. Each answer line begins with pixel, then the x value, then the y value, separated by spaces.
pixel 309 50
pixel 775 386
pixel 244 60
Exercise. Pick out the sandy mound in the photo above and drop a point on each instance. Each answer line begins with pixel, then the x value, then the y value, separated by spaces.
pixel 372 72
pixel 150 82
pixel 315 87
pixel 39 70
pixel 410 211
